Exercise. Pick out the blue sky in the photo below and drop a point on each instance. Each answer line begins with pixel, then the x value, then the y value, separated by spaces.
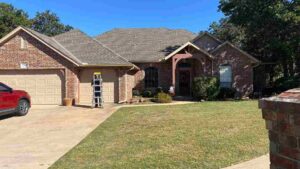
pixel 95 17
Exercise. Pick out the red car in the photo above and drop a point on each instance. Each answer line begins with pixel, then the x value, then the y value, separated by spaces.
pixel 13 101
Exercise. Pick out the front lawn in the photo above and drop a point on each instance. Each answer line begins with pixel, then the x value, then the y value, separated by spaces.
pixel 201 135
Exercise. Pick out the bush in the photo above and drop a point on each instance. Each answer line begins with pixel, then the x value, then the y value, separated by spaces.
pixel 163 98
pixel 135 92
pixel 159 90
pixel 148 93
pixel 206 88
pixel 226 93
pixel 283 84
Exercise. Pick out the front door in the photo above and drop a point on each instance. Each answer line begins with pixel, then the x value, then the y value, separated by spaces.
pixel 184 82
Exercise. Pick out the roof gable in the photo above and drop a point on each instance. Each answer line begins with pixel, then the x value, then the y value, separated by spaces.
pixel 184 46
pixel 48 41
pixel 253 59
pixel 76 47
pixel 206 41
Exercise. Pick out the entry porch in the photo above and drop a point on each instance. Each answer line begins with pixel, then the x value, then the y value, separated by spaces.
pixel 188 62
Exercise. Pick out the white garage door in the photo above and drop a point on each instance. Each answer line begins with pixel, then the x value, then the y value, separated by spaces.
pixel 44 86
pixel 110 85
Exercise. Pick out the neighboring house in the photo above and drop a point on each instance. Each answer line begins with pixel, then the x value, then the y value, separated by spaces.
pixel 53 68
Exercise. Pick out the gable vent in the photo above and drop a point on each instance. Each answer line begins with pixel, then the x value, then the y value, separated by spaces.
pixel 23 43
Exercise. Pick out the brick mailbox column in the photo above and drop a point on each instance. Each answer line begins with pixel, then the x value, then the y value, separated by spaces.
pixel 282 115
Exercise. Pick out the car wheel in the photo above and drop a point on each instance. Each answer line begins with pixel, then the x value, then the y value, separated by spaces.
pixel 23 107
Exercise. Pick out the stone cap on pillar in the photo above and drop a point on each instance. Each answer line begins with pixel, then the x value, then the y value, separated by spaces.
pixel 293 94
pixel 288 100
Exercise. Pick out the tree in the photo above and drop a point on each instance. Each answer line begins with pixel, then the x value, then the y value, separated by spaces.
pixel 271 29
pixel 48 23
pixel 226 31
pixel 10 18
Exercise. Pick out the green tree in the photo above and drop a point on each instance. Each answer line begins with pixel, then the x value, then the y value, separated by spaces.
pixel 10 18
pixel 226 31
pixel 271 29
pixel 48 23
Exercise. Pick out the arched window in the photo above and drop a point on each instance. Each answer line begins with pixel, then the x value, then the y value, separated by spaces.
pixel 151 77
pixel 225 76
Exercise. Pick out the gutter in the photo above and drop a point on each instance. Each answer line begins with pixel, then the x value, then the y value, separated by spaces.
pixel 105 65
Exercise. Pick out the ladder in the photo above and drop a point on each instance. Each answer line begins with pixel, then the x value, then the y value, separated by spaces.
pixel 97 100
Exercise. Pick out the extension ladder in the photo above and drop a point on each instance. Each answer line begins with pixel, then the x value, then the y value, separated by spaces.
pixel 97 90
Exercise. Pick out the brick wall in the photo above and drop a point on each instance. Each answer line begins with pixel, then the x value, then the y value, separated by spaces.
pixel 122 85
pixel 164 74
pixel 126 84
pixel 37 56
pixel 203 64
pixel 282 116
pixel 242 70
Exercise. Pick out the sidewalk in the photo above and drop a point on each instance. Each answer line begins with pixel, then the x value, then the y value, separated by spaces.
pixel 261 162
pixel 156 104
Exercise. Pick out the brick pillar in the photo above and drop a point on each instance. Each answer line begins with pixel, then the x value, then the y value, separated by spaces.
pixel 282 116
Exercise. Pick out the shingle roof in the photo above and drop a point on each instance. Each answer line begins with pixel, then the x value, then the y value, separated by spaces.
pixel 52 42
pixel 88 50
pixel 145 44
pixel 82 49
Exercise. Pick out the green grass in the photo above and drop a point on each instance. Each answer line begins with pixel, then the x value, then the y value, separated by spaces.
pixel 201 135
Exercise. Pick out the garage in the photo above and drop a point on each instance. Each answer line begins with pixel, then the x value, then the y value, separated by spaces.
pixel 110 85
pixel 44 86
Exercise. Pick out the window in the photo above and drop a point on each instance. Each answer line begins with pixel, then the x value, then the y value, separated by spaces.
pixel 3 88
pixel 225 76
pixel 151 77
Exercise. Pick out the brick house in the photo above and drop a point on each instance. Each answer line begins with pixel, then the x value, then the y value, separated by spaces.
pixel 53 68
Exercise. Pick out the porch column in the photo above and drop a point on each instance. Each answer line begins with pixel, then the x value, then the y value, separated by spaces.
pixel 175 59
pixel 174 71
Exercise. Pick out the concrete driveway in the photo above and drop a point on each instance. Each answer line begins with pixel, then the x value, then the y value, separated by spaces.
pixel 45 134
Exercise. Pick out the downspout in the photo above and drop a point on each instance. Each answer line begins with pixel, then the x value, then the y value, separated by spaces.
pixel 66 87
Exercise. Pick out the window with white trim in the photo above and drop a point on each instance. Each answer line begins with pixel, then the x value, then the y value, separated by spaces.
pixel 151 77
pixel 225 76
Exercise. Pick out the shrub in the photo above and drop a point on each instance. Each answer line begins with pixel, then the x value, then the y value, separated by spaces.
pixel 163 98
pixel 159 90
pixel 226 93
pixel 283 84
pixel 148 93
pixel 135 92
pixel 206 88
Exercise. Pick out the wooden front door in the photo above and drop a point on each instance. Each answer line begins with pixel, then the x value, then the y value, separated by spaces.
pixel 184 82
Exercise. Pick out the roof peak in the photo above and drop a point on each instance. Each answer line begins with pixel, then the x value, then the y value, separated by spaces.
pixel 153 28
pixel 146 29
pixel 206 33
pixel 70 31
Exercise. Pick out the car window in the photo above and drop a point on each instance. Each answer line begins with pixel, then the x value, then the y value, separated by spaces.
pixel 3 88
